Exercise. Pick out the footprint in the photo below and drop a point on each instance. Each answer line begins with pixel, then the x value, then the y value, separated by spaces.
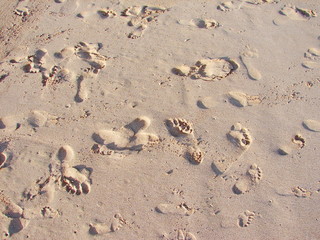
pixel 183 131
pixel 9 208
pixel 48 212
pixel 296 13
pixel 180 209
pixel 257 2
pixel 106 13
pixel 206 102
pixel 208 69
pixel 299 140
pixel 311 64
pixel 130 137
pixel 201 23
pixel 301 192
pixel 184 235
pixel 140 17
pixel 82 92
pixel 195 155
pixel 37 118
pixel 34 119
pixel 36 62
pixel 230 5
pixel 3 159
pixel 179 127
pixel 312 125
pixel 101 149
pixel 240 136
pixel 102 228
pixel 71 178
pixel 56 75
pixel 40 194
pixel 246 58
pixel 10 123
pixel 246 218
pixel 14 213
pixel 284 150
pixel 252 178
pixel 90 54
pixel 241 141
pixel 240 99
pixel 313 58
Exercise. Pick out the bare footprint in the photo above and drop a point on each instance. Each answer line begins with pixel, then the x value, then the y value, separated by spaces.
pixel 10 123
pixel 240 136
pixel 246 218
pixel 313 58
pixel 311 64
pixel 241 140
pixel 140 18
pixel 90 54
pixel 82 91
pixel 132 137
pixel 240 99
pixel 312 125
pixel 103 228
pixel 246 58
pixel 37 118
pixel 15 214
pixel 301 192
pixel 106 13
pixel 299 140
pixel 230 5
pixel 185 235
pixel 208 69
pixel 296 13
pixel 56 75
pixel 252 178
pixel 73 180
pixel 201 23
pixel 180 209
pixel 3 159
pixel 195 155
pixel 179 127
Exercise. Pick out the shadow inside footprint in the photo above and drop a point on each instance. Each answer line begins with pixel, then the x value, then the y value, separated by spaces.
pixel 15 226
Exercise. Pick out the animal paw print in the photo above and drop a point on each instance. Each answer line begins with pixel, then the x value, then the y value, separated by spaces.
pixel 245 219
pixel 140 18
pixel 130 137
pixel 240 136
pixel 71 179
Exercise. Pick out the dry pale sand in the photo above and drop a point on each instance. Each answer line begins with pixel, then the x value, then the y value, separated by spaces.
pixel 168 119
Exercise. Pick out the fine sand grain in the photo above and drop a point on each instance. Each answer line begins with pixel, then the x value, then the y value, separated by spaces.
pixel 159 119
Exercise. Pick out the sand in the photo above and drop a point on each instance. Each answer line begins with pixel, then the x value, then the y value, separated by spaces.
pixel 168 119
